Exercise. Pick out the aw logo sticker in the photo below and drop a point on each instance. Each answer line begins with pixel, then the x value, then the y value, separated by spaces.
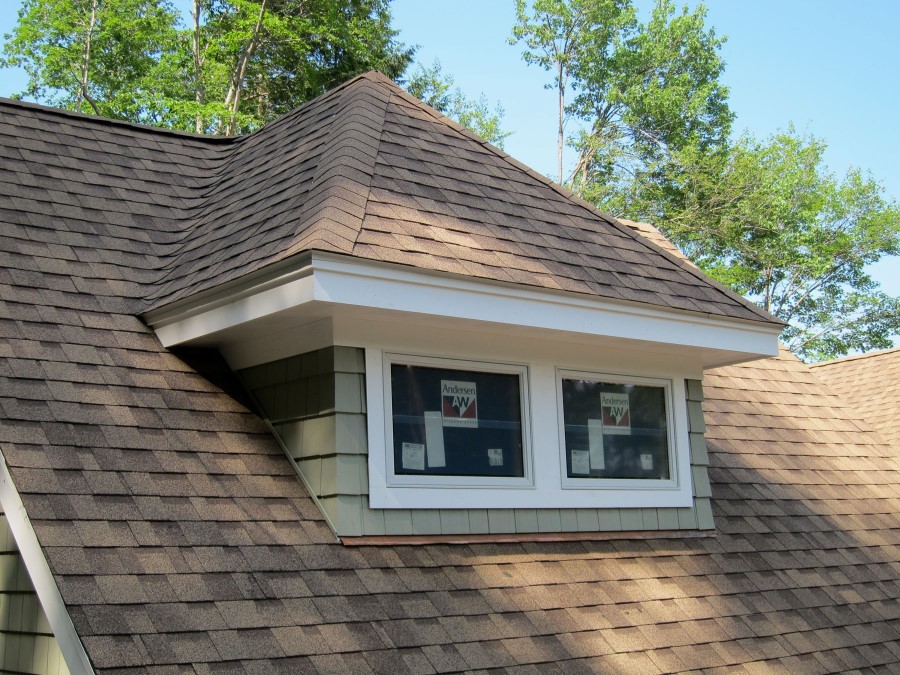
pixel 616 414
pixel 459 404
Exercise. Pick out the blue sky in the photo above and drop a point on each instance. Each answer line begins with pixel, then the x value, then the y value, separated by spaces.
pixel 830 67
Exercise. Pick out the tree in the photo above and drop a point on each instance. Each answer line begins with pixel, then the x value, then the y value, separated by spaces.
pixel 237 65
pixel 561 36
pixel 657 93
pixel 89 55
pixel 641 90
pixel 769 220
pixel 436 89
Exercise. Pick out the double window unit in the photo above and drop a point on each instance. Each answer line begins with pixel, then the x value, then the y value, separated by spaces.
pixel 457 433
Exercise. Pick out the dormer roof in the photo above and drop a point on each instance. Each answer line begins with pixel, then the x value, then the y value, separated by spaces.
pixel 365 171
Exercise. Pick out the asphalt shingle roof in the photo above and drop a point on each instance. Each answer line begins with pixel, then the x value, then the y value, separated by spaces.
pixel 181 540
pixel 365 170
pixel 871 384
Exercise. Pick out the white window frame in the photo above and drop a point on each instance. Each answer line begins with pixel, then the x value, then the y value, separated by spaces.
pixel 588 483
pixel 545 485
pixel 442 481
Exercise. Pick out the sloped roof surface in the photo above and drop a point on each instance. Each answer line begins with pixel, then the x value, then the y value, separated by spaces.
pixel 871 384
pixel 181 539
pixel 365 170
pixel 650 232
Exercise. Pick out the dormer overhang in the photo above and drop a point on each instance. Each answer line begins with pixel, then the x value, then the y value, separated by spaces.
pixel 319 298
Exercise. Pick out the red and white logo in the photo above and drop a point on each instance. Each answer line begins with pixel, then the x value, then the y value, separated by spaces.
pixel 616 414
pixel 459 404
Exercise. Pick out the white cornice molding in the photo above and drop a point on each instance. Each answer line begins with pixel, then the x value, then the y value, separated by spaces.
pixel 41 577
pixel 332 281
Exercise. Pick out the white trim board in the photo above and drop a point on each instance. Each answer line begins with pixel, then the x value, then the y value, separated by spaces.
pixel 41 577
pixel 332 285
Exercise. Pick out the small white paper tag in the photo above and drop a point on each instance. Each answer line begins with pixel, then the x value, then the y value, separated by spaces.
pixel 413 456
pixel 595 443
pixel 434 439
pixel 495 456
pixel 647 461
pixel 581 462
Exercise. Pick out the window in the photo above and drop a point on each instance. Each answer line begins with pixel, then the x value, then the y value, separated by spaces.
pixel 615 428
pixel 452 421
pixel 457 433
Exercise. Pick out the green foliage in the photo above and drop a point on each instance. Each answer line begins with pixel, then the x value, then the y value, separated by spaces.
pixel 569 38
pixel 763 217
pixel 436 89
pixel 640 90
pixel 235 66
pixel 89 55
pixel 769 220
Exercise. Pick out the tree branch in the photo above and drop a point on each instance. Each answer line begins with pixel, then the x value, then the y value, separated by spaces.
pixel 198 75
pixel 86 63
pixel 233 97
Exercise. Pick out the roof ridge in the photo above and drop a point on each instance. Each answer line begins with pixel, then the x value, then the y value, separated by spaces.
pixel 342 181
pixel 219 139
pixel 855 357
pixel 112 121
pixel 160 291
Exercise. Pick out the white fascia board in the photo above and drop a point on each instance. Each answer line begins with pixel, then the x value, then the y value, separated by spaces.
pixel 344 281
pixel 341 281
pixel 41 577
pixel 244 306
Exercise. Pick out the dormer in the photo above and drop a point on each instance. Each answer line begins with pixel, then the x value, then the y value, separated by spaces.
pixel 445 342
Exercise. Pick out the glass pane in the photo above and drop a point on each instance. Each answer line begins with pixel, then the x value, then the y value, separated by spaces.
pixel 615 430
pixel 452 422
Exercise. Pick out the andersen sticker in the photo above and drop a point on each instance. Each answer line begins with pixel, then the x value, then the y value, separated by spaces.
pixel 616 414
pixel 459 404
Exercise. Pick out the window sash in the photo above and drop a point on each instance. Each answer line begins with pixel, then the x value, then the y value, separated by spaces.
pixel 399 478
pixel 601 483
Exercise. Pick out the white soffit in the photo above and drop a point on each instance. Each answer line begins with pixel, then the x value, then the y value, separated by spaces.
pixel 325 285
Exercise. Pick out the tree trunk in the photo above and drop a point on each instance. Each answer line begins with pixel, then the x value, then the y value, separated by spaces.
pixel 198 76
pixel 86 64
pixel 559 135
pixel 233 98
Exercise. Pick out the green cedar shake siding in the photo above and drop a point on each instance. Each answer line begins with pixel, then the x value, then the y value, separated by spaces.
pixel 27 644
pixel 316 404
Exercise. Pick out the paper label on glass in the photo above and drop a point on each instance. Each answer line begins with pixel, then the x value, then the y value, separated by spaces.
pixel 413 457
pixel 581 462
pixel 459 404
pixel 616 414
pixel 434 439
pixel 595 444
pixel 647 461
pixel 495 456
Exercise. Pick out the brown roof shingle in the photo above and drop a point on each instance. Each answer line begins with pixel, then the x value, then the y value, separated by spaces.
pixel 871 384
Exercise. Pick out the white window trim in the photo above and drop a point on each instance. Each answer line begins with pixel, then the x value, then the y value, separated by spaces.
pixel 588 483
pixel 432 481
pixel 546 451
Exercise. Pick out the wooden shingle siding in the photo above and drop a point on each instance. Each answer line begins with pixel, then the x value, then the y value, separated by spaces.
pixel 316 404
pixel 27 644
